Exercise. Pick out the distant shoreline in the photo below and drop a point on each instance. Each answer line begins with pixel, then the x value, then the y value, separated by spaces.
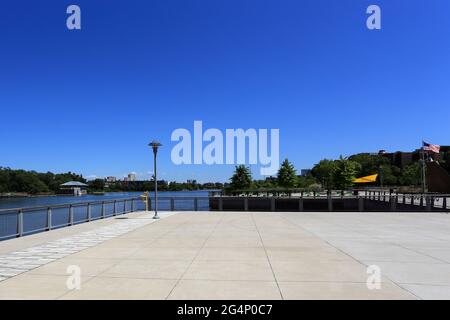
pixel 24 195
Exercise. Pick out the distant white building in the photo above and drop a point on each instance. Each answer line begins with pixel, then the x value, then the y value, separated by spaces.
pixel 75 188
pixel 131 176
pixel 111 179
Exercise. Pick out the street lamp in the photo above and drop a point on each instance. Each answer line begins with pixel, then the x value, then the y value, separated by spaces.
pixel 155 145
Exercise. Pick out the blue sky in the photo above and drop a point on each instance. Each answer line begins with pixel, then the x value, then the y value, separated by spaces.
pixel 89 101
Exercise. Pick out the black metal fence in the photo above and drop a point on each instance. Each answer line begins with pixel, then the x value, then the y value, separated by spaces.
pixel 375 201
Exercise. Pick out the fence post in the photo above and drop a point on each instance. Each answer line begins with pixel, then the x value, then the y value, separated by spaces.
pixel 114 208
pixel 246 204
pixel 220 203
pixel 444 203
pixel 360 204
pixel 132 205
pixel 49 218
pixel 195 204
pixel 103 210
pixel 330 202
pixel 70 215
pixel 89 213
pixel 272 204
pixel 428 203
pixel 393 203
pixel 300 204
pixel 124 206
pixel 20 223
pixel 172 204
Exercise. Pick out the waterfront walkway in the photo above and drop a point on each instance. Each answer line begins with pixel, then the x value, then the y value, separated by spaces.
pixel 245 255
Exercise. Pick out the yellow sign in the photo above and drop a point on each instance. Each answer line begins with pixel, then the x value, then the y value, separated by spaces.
pixel 144 198
pixel 367 179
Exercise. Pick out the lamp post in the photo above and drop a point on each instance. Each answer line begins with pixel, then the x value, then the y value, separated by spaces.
pixel 155 145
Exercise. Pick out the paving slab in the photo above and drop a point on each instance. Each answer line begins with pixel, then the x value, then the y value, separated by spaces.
pixel 234 255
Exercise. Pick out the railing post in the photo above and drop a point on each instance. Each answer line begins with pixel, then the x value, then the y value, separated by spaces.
pixel 103 210
pixel 444 203
pixel 70 215
pixel 272 204
pixel 132 205
pixel 428 203
pixel 300 204
pixel 195 204
pixel 114 208
pixel 124 206
pixel 246 204
pixel 393 203
pixel 360 204
pixel 89 213
pixel 330 202
pixel 49 218
pixel 172 204
pixel 220 203
pixel 20 223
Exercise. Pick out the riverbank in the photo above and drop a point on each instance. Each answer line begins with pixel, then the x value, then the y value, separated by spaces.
pixel 24 195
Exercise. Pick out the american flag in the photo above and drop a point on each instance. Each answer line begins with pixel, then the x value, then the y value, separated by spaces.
pixel 431 147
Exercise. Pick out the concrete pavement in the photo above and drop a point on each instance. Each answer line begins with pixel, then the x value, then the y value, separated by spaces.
pixel 242 255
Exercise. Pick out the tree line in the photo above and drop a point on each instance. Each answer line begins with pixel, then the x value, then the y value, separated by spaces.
pixel 330 174
pixel 32 182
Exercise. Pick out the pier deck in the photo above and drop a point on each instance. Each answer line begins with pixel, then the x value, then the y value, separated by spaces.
pixel 234 255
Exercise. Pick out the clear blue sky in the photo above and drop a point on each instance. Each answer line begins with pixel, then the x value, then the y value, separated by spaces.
pixel 89 101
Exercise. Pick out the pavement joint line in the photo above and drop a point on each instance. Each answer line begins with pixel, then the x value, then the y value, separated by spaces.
pixel 349 255
pixel 101 274
pixel 18 262
pixel 267 256
pixel 195 257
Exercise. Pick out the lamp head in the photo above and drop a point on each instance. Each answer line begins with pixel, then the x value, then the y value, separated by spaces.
pixel 155 145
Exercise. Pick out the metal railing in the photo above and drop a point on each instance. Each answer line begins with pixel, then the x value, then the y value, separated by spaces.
pixel 375 201
pixel 429 202
pixel 18 222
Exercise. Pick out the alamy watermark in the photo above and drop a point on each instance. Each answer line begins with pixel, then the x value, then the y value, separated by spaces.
pixel 373 281
pixel 374 20
pixel 227 148
pixel 73 21
pixel 73 281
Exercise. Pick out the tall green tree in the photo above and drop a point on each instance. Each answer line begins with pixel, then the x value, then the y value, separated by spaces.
pixel 323 172
pixel 241 179
pixel 411 175
pixel 97 185
pixel 344 173
pixel 287 176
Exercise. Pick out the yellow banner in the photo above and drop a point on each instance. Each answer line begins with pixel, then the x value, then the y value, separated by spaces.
pixel 368 179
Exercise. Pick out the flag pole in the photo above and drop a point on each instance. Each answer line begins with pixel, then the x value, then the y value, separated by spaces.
pixel 423 170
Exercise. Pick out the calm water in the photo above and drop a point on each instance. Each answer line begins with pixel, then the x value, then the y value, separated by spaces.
pixel 36 220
